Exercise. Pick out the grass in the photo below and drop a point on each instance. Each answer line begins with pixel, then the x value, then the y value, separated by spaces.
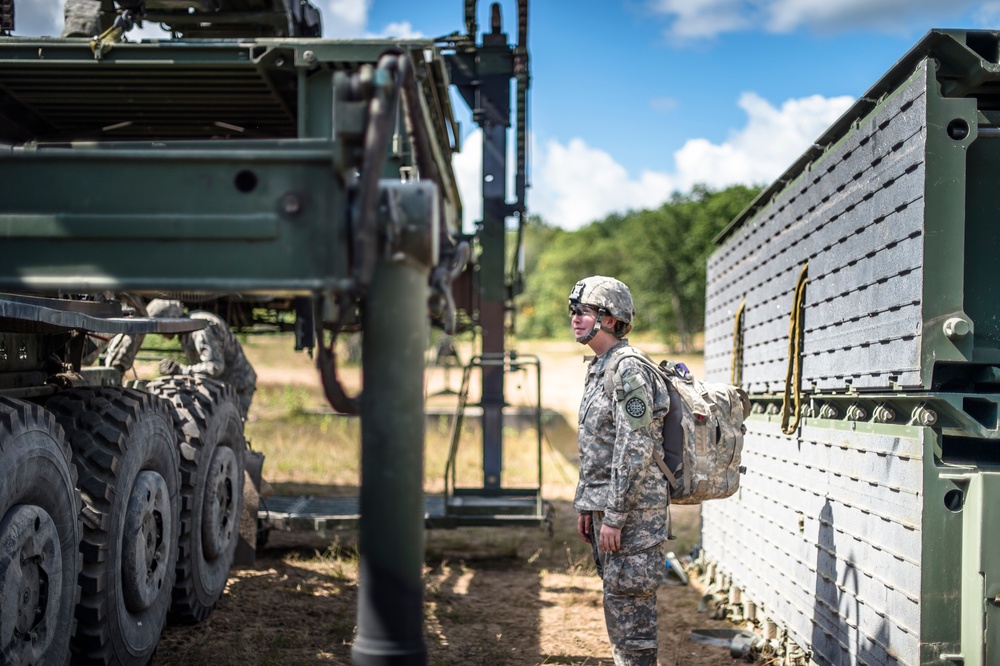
pixel 305 443
pixel 309 448
pixel 491 595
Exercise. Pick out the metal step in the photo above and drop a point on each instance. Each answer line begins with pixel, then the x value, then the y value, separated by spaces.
pixel 326 515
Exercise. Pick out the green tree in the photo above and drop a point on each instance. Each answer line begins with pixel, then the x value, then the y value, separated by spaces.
pixel 669 248
pixel 659 253
pixel 555 260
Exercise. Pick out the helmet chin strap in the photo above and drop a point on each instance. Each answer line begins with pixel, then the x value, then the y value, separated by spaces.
pixel 598 326
pixel 593 331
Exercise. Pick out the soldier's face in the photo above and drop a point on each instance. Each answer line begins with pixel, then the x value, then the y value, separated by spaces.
pixel 582 320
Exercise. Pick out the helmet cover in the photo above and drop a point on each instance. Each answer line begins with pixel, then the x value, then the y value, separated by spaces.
pixel 607 295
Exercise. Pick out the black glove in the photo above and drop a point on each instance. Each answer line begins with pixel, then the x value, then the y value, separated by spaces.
pixel 169 366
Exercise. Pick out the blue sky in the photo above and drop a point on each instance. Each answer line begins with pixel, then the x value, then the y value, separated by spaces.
pixel 632 100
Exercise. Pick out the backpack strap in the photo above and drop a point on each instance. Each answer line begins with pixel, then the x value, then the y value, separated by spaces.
pixel 612 382
pixel 613 386
pixel 662 464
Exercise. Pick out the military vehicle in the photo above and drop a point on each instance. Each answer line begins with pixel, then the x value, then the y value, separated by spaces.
pixel 243 161
pixel 854 300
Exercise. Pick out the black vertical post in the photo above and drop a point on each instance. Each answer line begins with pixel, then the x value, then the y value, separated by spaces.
pixel 492 276
pixel 390 596
pixel 482 75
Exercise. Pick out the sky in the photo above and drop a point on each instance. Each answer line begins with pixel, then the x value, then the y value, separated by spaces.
pixel 632 101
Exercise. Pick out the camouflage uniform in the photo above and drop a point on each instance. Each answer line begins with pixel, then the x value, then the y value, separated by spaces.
pixel 215 352
pixel 622 487
pixel 83 18
pixel 122 350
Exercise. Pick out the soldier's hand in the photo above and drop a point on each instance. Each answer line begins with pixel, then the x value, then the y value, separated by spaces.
pixel 610 538
pixel 169 366
pixel 583 526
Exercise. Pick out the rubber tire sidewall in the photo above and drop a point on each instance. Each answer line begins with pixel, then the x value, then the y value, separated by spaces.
pixel 207 414
pixel 35 469
pixel 146 441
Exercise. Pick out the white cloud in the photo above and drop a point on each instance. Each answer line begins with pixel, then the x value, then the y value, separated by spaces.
pixel 348 19
pixel 468 167
pixel 401 30
pixel 345 19
pixel 693 19
pixel 663 104
pixel 769 143
pixel 704 18
pixel 886 15
pixel 39 18
pixel 574 184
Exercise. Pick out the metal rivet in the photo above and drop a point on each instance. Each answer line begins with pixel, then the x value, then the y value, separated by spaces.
pixel 291 204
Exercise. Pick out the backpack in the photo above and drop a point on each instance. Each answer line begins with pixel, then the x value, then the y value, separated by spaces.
pixel 702 433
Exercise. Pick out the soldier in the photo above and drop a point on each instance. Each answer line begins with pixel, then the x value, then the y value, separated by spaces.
pixel 622 496
pixel 212 352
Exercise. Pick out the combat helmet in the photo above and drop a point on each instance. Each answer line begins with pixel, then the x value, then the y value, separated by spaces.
pixel 609 296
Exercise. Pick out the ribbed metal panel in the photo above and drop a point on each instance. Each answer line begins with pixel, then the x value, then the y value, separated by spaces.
pixel 857 217
pixel 864 532
pixel 149 100
pixel 825 537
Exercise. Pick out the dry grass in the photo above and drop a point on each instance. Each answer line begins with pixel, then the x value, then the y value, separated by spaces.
pixel 508 596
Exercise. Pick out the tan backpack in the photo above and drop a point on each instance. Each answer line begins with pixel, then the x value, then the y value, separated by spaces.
pixel 702 433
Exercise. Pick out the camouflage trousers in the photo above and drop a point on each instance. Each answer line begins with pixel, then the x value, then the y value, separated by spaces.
pixel 630 584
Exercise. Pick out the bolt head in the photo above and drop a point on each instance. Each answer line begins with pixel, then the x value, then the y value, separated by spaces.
pixel 291 204
pixel 956 328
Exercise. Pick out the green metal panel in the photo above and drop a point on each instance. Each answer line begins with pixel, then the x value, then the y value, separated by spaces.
pixel 982 238
pixel 944 250
pixel 895 210
pixel 941 559
pixel 980 612
pixel 236 216
pixel 224 165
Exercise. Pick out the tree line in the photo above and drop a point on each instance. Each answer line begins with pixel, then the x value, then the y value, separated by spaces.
pixel 660 254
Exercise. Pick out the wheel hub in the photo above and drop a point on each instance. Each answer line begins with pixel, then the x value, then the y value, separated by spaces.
pixel 145 543
pixel 29 559
pixel 219 520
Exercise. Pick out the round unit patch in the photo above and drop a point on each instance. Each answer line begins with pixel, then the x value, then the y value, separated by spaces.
pixel 635 408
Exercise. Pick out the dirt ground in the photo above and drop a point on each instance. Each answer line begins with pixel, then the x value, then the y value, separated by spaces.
pixel 514 596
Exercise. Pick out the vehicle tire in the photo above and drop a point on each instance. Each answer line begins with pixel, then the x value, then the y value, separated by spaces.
pixel 125 451
pixel 208 420
pixel 39 537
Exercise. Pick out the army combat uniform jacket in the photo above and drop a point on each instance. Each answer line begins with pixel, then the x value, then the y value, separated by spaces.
pixel 215 352
pixel 616 438
pixel 212 352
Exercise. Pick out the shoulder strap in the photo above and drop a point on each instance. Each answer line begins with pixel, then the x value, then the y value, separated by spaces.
pixel 611 379
pixel 613 382
pixel 662 464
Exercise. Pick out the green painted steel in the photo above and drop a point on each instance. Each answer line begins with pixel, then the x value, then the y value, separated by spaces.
pixel 253 162
pixel 866 531
pixel 391 528
pixel 192 165
pixel 266 167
